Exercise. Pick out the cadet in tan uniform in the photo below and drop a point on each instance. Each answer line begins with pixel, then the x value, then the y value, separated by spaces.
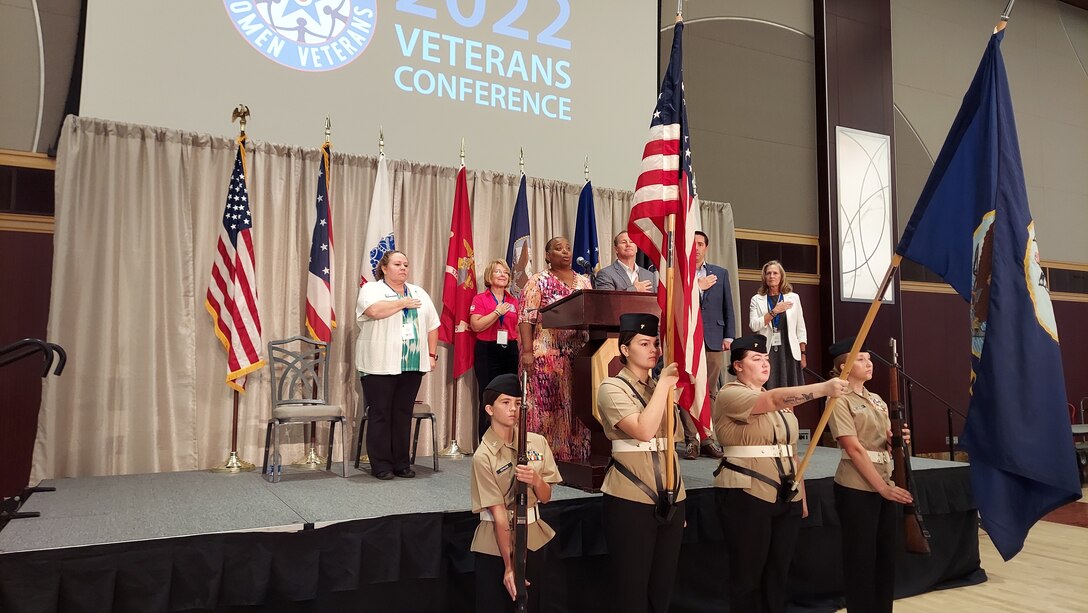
pixel 759 509
pixel 642 531
pixel 494 468
pixel 865 497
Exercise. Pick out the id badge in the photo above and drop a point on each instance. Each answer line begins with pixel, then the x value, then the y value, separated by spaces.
pixel 407 332
pixel 776 339
pixel 502 337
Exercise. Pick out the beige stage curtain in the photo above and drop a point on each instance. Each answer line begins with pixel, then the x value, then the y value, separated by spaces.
pixel 137 214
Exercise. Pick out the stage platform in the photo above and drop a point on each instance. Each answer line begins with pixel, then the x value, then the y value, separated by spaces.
pixel 202 541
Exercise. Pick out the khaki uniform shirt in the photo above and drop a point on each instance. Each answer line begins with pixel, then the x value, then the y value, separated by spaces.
pixel 493 482
pixel 735 425
pixel 866 417
pixel 614 403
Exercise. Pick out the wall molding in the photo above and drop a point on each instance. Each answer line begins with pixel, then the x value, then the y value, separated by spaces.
pixel 27 159
pixel 31 224
pixel 777 237
pixel 796 278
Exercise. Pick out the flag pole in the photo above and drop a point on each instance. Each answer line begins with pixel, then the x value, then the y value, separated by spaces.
pixel 866 324
pixel 453 451
pixel 234 463
pixel 670 354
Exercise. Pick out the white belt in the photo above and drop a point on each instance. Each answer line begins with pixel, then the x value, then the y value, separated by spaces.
pixel 654 444
pixel 878 457
pixel 758 451
pixel 530 514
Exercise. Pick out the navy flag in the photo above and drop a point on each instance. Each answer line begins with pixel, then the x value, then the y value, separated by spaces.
pixel 519 252
pixel 586 252
pixel 972 226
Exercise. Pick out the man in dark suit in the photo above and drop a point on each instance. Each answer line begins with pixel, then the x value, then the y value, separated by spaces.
pixel 719 329
pixel 624 274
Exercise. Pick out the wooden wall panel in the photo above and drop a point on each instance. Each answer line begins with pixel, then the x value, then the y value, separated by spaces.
pixel 26 268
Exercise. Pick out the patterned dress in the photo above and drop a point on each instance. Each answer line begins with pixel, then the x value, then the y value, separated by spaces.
pixel 549 395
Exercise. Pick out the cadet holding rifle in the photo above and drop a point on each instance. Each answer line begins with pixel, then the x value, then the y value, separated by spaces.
pixel 494 469
pixel 865 497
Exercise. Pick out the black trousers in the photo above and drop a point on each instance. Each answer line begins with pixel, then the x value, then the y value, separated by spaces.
pixel 868 549
pixel 389 419
pixel 759 539
pixel 642 554
pixel 491 594
pixel 492 360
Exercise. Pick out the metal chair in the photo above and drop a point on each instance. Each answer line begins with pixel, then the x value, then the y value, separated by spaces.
pixel 421 412
pixel 300 392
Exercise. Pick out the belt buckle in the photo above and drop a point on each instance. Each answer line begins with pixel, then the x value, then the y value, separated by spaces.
pixel 784 451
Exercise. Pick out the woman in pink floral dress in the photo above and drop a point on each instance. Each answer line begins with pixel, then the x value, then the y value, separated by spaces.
pixel 546 353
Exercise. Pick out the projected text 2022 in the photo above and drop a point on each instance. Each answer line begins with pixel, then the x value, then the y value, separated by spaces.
pixel 444 59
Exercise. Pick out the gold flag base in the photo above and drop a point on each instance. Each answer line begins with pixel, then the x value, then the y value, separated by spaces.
pixel 364 459
pixel 452 451
pixel 312 460
pixel 234 464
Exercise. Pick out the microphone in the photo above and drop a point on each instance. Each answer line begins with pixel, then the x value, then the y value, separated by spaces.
pixel 581 261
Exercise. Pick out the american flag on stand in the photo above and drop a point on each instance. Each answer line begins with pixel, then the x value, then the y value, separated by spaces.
pixel 232 293
pixel 320 317
pixel 665 187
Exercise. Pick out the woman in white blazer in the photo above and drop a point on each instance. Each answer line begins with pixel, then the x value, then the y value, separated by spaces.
pixel 775 312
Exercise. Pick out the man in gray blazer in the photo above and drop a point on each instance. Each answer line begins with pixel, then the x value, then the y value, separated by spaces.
pixel 624 274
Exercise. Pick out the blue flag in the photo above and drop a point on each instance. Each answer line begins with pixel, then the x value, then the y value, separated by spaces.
pixel 519 252
pixel 586 253
pixel 972 226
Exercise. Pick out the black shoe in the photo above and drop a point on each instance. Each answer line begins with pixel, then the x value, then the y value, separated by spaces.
pixel 406 473
pixel 711 449
pixel 384 475
pixel 692 451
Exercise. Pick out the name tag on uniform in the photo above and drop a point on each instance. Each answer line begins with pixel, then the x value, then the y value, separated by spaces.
pixel 407 332
pixel 776 339
pixel 502 337
pixel 504 468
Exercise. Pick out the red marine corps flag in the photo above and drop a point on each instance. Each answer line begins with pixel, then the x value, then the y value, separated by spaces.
pixel 665 187
pixel 460 282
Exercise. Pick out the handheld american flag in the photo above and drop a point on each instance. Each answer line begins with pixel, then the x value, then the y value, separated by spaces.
pixel 320 318
pixel 665 188
pixel 232 293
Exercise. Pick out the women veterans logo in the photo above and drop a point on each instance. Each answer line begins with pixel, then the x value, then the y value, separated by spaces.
pixel 310 35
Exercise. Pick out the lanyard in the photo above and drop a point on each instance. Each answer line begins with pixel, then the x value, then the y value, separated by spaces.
pixel 406 295
pixel 497 304
pixel 771 303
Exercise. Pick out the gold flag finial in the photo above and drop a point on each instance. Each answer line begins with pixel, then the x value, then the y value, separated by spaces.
pixel 585 169
pixel 240 114
pixel 462 152
pixel 521 160
pixel 328 129
pixel 381 141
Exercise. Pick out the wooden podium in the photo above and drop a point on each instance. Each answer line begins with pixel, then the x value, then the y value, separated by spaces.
pixel 597 312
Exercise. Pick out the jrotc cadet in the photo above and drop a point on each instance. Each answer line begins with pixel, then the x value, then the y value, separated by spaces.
pixel 865 497
pixel 759 508
pixel 642 529
pixel 494 468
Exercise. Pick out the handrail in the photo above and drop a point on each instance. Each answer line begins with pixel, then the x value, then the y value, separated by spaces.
pixel 35 346
pixel 57 349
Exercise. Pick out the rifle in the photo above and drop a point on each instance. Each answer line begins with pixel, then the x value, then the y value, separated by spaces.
pixel 521 509
pixel 917 537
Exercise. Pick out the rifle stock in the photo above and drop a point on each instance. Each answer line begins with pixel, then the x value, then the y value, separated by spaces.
pixel 916 535
pixel 521 509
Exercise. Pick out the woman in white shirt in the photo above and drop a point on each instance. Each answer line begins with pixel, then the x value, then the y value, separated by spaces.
pixel 398 324
pixel 775 312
